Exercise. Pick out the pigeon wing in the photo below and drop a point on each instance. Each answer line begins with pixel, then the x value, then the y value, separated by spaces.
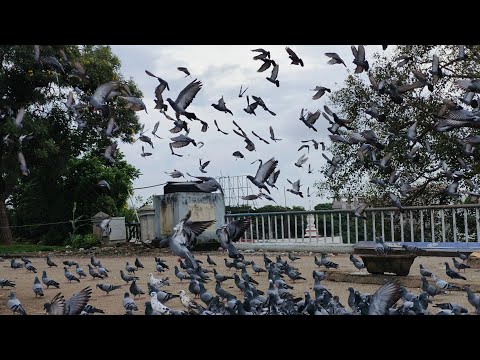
pixel 187 95
pixel 78 301
pixel 264 171
pixel 384 298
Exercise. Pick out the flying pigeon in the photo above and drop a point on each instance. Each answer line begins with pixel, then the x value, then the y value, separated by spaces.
pixel 274 75
pixel 72 306
pixel 295 188
pixel 295 59
pixel 184 70
pixel 263 173
pixel 335 59
pixel 221 106
pixel 185 98
pixel 218 129
pixel 320 91
pixel 240 94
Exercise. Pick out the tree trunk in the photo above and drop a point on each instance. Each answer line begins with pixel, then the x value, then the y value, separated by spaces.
pixel 5 232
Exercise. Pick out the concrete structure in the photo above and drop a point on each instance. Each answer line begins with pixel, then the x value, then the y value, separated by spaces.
pixel 311 230
pixel 172 207
pixel 118 233
pixel 147 222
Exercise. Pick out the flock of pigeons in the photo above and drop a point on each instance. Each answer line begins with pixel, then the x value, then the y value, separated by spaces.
pixel 451 116
pixel 276 300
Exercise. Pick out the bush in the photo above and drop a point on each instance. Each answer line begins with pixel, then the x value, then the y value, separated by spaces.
pixel 78 241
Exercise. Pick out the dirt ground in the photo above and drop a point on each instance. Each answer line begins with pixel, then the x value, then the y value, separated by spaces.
pixel 112 304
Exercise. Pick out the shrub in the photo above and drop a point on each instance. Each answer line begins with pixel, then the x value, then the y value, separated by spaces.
pixel 78 241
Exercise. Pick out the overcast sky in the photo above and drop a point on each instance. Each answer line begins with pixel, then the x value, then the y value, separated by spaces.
pixel 222 69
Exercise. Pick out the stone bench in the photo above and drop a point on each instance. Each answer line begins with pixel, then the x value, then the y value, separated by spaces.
pixel 399 261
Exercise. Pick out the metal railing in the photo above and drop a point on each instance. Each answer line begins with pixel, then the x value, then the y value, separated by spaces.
pixel 435 223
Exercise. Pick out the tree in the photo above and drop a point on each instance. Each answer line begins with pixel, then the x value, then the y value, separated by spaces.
pixel 60 136
pixel 422 177
pixel 323 206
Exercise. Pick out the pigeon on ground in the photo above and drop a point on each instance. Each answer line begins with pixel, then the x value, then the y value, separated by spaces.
pixel 92 272
pixel 15 305
pixel 135 290
pixel 94 262
pixel 5 282
pixel 37 287
pixel 70 277
pixel 90 309
pixel 210 261
pixel 187 302
pixel 429 288
pixel 459 266
pixel 15 265
pixel 425 272
pixel 452 273
pixel 49 282
pixel 128 302
pixel 50 263
pixel 472 298
pixel 181 275
pixel 80 272
pixel 127 278
pixel 293 257
pixel 108 287
pixel 130 269
pixel 157 306
pixel 325 262
pixel 357 263
pixel 30 267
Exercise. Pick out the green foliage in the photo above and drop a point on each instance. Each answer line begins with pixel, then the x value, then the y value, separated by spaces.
pixel 324 206
pixel 352 179
pixel 86 241
pixel 16 248
pixel 65 161
pixel 128 213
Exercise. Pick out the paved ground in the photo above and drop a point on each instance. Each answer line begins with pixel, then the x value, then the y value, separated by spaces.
pixel 112 304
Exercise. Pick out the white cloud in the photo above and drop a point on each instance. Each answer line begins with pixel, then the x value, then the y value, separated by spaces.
pixel 222 69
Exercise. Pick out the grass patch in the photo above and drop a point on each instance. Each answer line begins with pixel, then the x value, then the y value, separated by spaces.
pixel 16 248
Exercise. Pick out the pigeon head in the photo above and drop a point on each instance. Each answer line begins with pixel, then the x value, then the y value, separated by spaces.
pixel 182 293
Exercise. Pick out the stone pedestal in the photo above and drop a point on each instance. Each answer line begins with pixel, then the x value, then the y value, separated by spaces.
pixel 311 230
pixel 171 208
pixel 146 215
